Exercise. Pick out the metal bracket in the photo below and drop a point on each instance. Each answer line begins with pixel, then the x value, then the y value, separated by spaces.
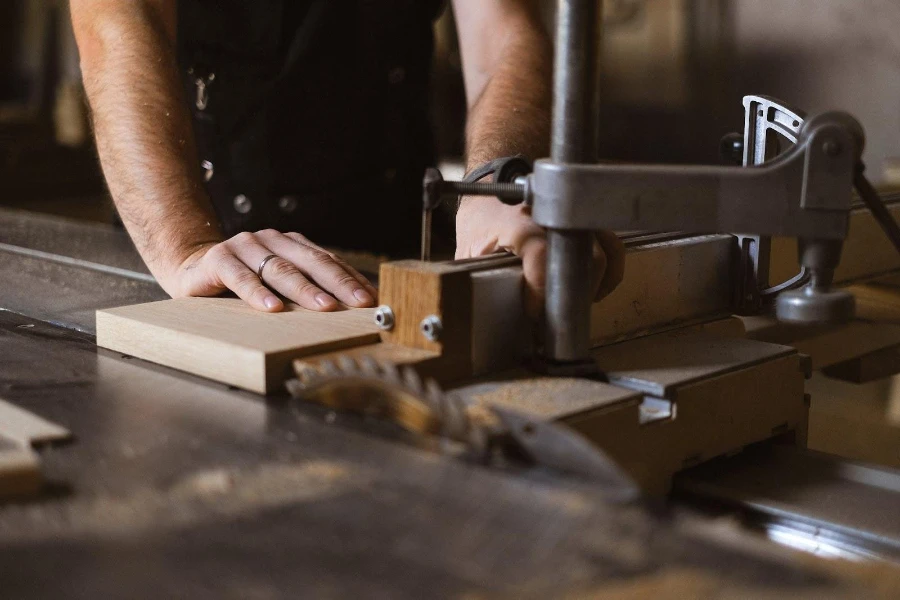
pixel 763 116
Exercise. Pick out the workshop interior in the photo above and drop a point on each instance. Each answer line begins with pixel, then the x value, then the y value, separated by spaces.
pixel 724 424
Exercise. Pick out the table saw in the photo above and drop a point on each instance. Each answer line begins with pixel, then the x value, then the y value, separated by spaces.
pixel 654 443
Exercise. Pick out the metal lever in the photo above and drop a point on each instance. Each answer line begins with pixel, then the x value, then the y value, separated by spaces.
pixel 764 116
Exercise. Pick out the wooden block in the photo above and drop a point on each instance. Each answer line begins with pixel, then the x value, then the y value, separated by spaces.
pixel 877 303
pixel 416 290
pixel 20 472
pixel 867 252
pixel 225 340
pixel 501 332
pixel 858 422
pixel 667 284
pixel 721 394
pixel 826 346
pixel 709 418
pixel 27 429
pixel 447 290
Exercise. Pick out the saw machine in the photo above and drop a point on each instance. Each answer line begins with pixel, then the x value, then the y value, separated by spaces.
pixel 547 444
pixel 697 355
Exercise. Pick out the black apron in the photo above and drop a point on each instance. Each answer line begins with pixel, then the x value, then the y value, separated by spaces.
pixel 312 115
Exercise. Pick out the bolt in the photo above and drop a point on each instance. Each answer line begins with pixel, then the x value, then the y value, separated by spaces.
pixel 831 148
pixel 431 328
pixel 384 318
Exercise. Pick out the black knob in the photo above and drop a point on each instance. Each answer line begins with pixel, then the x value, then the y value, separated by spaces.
pixel 731 148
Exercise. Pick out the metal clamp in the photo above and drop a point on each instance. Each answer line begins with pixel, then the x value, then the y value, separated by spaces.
pixel 435 189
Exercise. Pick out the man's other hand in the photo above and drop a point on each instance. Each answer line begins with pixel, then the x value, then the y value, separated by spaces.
pixel 486 225
pixel 300 271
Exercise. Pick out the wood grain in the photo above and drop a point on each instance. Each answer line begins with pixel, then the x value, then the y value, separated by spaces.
pixel 225 340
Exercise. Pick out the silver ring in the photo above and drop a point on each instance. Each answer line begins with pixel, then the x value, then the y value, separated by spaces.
pixel 263 264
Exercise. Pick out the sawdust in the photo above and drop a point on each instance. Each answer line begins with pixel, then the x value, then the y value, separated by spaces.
pixel 201 497
pixel 684 583
pixel 881 578
pixel 550 397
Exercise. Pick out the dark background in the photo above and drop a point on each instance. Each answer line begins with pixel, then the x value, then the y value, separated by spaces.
pixel 673 75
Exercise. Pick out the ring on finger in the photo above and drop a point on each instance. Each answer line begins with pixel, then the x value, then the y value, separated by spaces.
pixel 262 265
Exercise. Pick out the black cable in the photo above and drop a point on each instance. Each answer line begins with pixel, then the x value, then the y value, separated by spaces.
pixel 873 202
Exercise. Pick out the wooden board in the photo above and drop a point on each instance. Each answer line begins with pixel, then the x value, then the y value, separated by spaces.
pixel 20 467
pixel 225 340
pixel 20 471
pixel 722 393
pixel 867 251
pixel 27 429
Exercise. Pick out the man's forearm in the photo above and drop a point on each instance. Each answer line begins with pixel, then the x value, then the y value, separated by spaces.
pixel 144 135
pixel 512 114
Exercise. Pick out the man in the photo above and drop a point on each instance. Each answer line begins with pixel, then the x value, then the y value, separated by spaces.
pixel 309 120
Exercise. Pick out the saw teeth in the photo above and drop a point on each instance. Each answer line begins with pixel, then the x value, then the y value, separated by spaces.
pixel 295 387
pixel 348 365
pixel 369 366
pixel 327 368
pixel 413 381
pixel 434 394
pixel 306 375
pixel 450 410
pixel 391 373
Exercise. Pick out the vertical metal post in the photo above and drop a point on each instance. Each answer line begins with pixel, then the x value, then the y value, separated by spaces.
pixel 575 113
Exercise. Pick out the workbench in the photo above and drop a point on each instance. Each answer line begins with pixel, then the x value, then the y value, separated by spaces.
pixel 176 486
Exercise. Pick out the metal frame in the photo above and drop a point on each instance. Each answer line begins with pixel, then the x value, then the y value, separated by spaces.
pixel 806 192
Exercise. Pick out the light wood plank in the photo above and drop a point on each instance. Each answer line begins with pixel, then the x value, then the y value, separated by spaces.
pixel 27 429
pixel 225 340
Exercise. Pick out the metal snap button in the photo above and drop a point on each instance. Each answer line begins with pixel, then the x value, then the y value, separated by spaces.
pixel 242 204
pixel 208 170
pixel 287 204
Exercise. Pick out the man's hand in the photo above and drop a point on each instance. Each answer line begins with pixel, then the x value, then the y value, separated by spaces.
pixel 486 225
pixel 301 271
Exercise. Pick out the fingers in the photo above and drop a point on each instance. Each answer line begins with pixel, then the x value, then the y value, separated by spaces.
pixel 322 268
pixel 280 273
pixel 533 252
pixel 362 279
pixel 235 275
pixel 614 271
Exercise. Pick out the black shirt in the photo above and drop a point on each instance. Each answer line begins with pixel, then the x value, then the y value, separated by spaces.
pixel 314 116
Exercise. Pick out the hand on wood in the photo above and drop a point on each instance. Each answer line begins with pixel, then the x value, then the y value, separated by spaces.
pixel 299 270
pixel 485 226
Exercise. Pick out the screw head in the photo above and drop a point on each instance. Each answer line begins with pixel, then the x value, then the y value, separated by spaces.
pixel 384 318
pixel 431 327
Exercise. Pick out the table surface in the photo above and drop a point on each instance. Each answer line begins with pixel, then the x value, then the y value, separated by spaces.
pixel 175 485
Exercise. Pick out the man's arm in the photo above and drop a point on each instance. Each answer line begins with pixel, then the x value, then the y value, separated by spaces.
pixel 508 72
pixel 144 138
